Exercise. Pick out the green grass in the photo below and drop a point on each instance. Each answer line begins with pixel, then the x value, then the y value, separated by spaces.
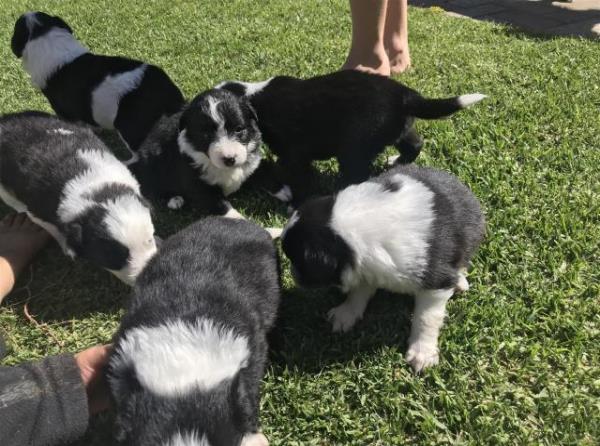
pixel 520 351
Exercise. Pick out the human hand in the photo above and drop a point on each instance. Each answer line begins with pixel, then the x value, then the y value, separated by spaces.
pixel 91 364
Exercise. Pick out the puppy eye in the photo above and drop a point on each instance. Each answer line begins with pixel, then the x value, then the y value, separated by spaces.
pixel 239 129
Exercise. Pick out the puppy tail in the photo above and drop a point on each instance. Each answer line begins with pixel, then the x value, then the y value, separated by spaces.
pixel 423 108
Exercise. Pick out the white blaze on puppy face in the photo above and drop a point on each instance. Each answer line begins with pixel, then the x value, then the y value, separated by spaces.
pixel 129 222
pixel 176 357
pixel 224 152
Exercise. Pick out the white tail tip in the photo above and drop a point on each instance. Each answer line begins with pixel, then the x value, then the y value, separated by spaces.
pixel 469 99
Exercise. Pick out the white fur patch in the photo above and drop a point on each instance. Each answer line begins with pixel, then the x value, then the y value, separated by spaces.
pixel 129 222
pixel 229 180
pixel 469 99
pixel 44 55
pixel 232 213
pixel 173 358
pixel 176 203
pixel 188 439
pixel 255 439
pixel 251 87
pixel 275 233
pixel 284 194
pixel 107 95
pixel 61 131
pixel 388 232
pixel 103 168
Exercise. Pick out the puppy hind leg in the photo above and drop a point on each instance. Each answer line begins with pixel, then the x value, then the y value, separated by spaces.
pixel 344 316
pixel 354 169
pixel 428 318
pixel 409 146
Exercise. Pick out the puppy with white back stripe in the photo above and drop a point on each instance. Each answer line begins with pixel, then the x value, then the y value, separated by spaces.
pixel 69 183
pixel 202 154
pixel 107 91
pixel 411 230
pixel 191 350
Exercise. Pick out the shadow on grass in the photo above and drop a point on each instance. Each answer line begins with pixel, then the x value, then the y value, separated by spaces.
pixel 544 19
pixel 303 338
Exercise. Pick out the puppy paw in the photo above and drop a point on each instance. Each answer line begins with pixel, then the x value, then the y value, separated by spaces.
pixel 462 285
pixel 343 318
pixel 176 203
pixel 421 355
pixel 232 213
pixel 255 439
pixel 275 233
pixel 284 194
pixel 391 161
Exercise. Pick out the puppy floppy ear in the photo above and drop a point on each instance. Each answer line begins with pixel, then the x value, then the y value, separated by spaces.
pixel 74 235
pixel 20 37
pixel 57 22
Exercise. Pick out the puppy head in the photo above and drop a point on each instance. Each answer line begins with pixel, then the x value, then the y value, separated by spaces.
pixel 180 383
pixel 317 253
pixel 117 235
pixel 220 126
pixel 32 25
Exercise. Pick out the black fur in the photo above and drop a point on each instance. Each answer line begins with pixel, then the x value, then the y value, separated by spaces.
pixel 69 89
pixel 348 114
pixel 35 164
pixel 164 171
pixel 221 269
pixel 318 255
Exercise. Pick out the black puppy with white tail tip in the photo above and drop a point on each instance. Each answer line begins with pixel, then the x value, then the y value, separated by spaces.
pixel 411 230
pixel 348 115
pixel 110 92
pixel 70 184
pixel 191 350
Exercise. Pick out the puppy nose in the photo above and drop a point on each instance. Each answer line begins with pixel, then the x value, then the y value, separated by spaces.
pixel 229 160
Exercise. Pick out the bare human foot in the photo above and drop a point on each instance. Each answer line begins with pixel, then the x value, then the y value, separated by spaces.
pixel 374 61
pixel 398 54
pixel 20 241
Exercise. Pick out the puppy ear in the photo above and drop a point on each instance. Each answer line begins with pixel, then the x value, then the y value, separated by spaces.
pixel 74 236
pixel 60 23
pixel 20 37
pixel 252 111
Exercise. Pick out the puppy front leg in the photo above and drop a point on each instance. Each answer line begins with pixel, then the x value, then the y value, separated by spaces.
pixel 344 316
pixel 428 318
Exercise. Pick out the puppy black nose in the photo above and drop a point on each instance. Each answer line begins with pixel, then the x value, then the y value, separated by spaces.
pixel 229 160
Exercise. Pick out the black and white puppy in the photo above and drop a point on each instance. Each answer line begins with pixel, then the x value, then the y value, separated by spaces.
pixel 191 350
pixel 411 230
pixel 348 114
pixel 70 184
pixel 202 154
pixel 110 92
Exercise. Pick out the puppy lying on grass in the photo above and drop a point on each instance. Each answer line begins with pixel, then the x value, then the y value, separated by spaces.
pixel 411 230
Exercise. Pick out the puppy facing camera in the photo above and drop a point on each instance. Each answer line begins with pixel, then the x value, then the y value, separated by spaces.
pixel 412 230
pixel 201 155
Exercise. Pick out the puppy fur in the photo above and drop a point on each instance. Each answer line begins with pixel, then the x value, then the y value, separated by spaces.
pixel 69 183
pixel 191 349
pixel 110 92
pixel 202 154
pixel 411 230
pixel 348 114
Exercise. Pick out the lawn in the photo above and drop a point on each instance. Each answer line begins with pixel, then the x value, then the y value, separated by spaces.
pixel 520 360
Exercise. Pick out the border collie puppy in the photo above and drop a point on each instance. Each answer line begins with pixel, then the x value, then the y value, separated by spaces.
pixel 411 230
pixel 202 154
pixel 348 115
pixel 110 92
pixel 191 350
pixel 70 184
